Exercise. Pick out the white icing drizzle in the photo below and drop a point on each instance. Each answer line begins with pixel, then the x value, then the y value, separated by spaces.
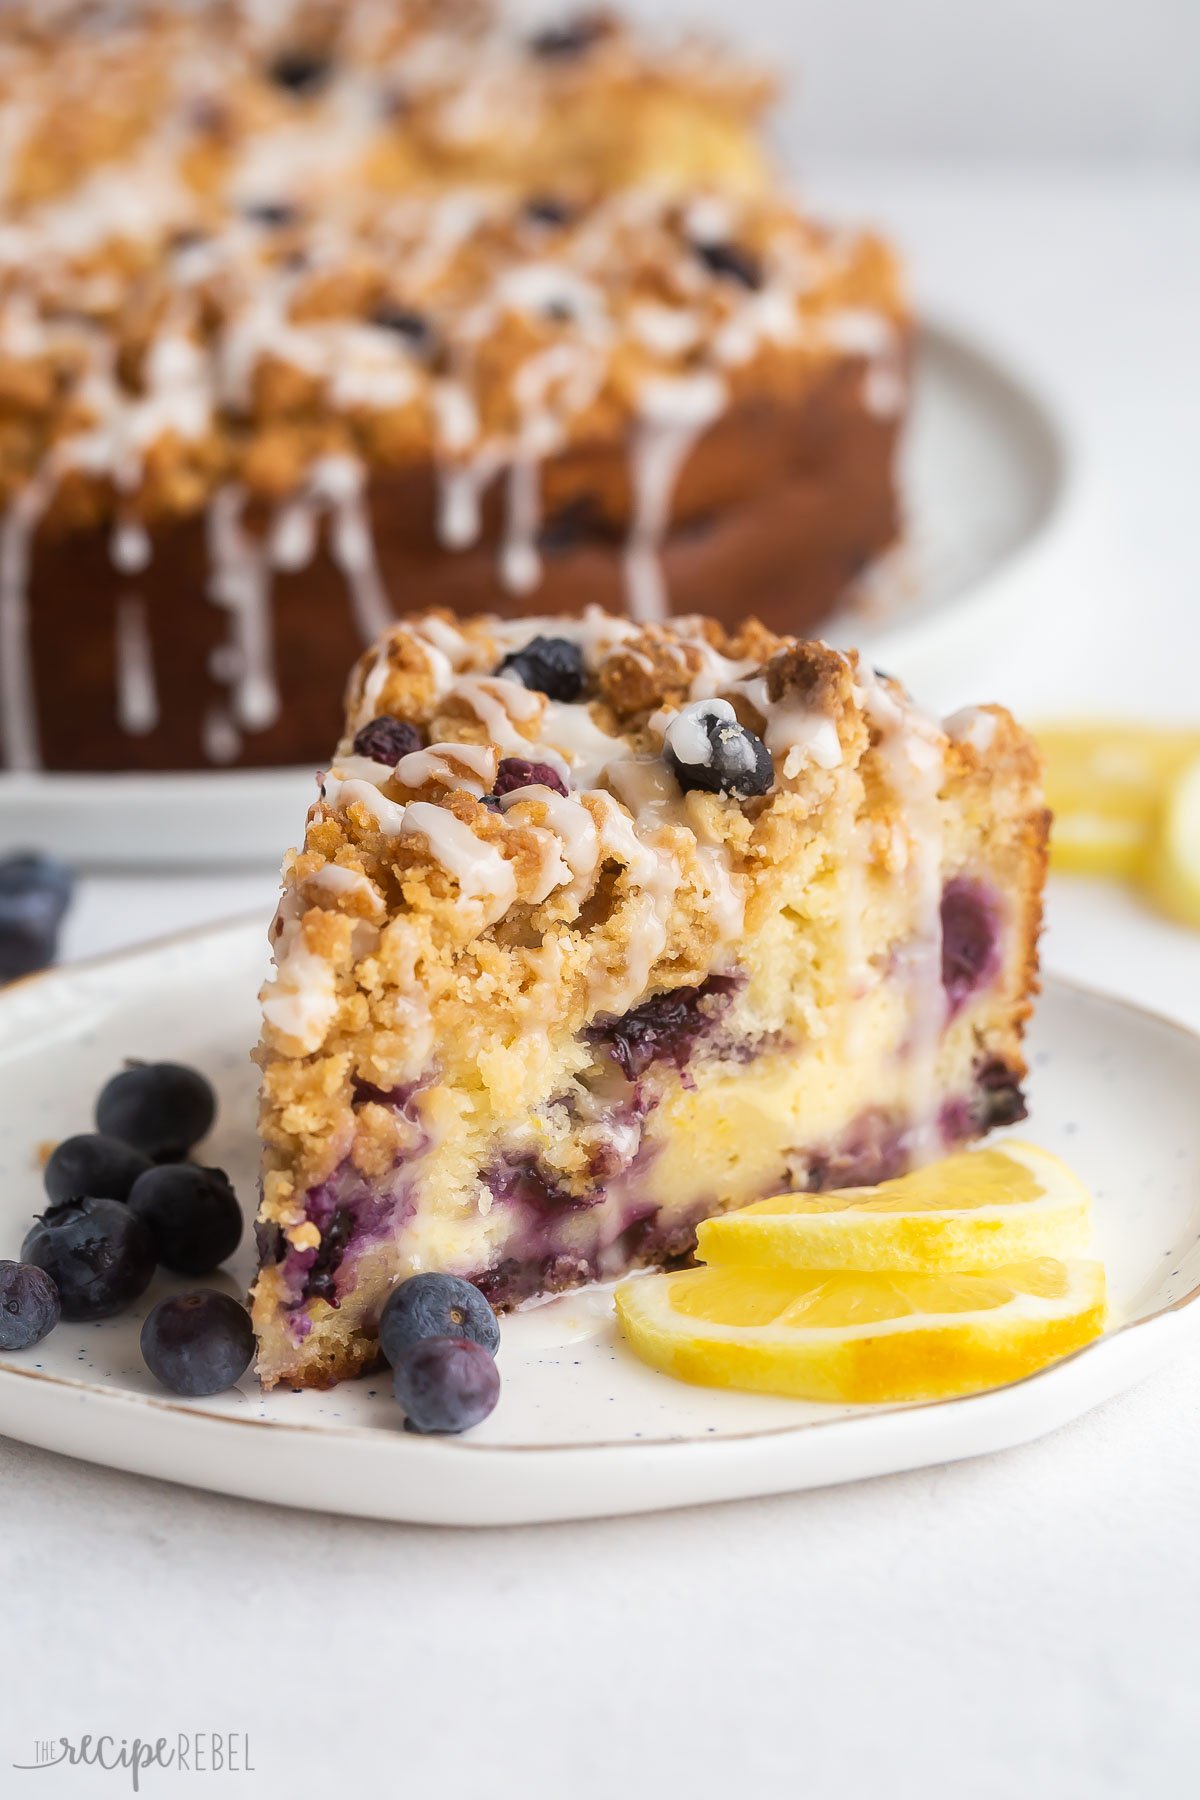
pixel 673 412
pixel 548 288
pixel 520 564
pixel 498 704
pixel 455 417
pixel 302 999
pixel 470 768
pixel 554 871
pixel 687 739
pixel 766 317
pixel 338 481
pixel 444 637
pixel 616 988
pixel 338 881
pixel 972 725
pixel 293 539
pixel 460 493
pixel 797 732
pixel 584 749
pixel 341 794
pixel 579 842
pixel 480 869
pixel 871 335
pixel 362 768
pixel 222 739
pixel 802 734
pixel 131 549
pixel 666 330
pixel 137 692
pixel 241 584
pixel 719 674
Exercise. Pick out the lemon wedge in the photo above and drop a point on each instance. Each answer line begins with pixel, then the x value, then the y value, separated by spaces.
pixel 1105 787
pixel 977 1210
pixel 858 1337
pixel 1173 870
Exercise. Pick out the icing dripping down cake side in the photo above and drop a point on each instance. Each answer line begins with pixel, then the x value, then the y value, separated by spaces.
pixel 639 922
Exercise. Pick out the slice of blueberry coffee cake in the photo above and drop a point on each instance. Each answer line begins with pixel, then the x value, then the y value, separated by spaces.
pixel 600 929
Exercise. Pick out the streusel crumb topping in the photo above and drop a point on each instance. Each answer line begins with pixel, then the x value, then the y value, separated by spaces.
pixel 428 915
pixel 259 249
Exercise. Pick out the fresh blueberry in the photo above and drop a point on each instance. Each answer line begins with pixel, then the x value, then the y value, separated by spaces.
pixel 300 71
pixel 544 209
pixel 321 1281
pixel 29 1305
pixel 272 215
pixel 970 940
pixel 667 1026
pixel 35 892
pixel 999 1100
pixel 571 524
pixel 198 1344
pixel 192 1215
pixel 30 868
pixel 405 321
pixel 732 260
pixel 445 1384
pixel 574 37
pixel 386 740
pixel 90 1163
pixel 515 772
pixel 705 747
pixel 436 1306
pixel 161 1109
pixel 96 1252
pixel 551 666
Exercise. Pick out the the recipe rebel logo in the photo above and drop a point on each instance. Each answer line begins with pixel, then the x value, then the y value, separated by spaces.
pixel 187 1753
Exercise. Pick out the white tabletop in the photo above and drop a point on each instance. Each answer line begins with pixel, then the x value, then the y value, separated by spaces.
pixel 1023 1623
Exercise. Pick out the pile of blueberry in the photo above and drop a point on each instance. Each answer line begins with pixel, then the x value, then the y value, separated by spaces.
pixel 123 1202
pixel 441 1338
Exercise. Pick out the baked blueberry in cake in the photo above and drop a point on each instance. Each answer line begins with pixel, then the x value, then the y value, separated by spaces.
pixel 323 304
pixel 655 920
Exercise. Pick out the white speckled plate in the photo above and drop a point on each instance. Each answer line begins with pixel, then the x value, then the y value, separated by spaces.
pixel 582 1429
pixel 982 474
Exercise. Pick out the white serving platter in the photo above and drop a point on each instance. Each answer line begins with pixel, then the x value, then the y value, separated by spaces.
pixel 983 474
pixel 582 1428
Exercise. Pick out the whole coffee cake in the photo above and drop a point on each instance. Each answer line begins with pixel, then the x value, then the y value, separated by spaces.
pixel 307 308
pixel 601 928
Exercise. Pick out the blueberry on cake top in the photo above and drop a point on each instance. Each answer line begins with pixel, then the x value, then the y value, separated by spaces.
pixel 578 972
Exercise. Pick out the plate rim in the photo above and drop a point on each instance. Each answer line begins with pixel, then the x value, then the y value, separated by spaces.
pixel 207 1422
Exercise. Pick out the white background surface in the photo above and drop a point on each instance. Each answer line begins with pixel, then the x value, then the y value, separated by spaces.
pixel 1020 1624
pixel 1028 79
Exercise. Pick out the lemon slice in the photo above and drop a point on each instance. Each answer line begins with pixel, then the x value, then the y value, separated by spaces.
pixel 977 1210
pixel 850 1337
pixel 1105 787
pixel 1088 843
pixel 1173 872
